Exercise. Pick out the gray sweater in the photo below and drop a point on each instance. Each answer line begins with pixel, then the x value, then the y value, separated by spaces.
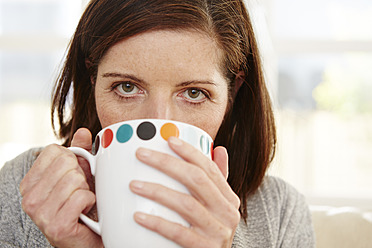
pixel 278 215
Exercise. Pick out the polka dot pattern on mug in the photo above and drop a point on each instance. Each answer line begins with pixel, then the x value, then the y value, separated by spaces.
pixel 124 133
pixel 211 151
pixel 204 144
pixel 168 130
pixel 147 131
pixel 95 146
pixel 107 138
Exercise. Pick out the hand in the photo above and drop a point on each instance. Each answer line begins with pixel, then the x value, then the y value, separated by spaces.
pixel 212 207
pixel 56 190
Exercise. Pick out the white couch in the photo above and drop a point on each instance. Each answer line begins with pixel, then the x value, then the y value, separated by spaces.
pixel 344 227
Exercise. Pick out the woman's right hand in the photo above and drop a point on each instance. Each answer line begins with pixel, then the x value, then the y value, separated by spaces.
pixel 56 191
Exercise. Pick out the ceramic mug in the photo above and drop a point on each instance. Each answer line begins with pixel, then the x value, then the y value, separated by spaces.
pixel 114 165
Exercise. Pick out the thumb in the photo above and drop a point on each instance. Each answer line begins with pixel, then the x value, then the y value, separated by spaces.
pixel 221 158
pixel 82 138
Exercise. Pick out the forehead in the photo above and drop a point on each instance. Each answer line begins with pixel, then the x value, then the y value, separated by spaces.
pixel 178 50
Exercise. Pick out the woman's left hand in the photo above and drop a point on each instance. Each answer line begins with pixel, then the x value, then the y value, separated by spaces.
pixel 211 209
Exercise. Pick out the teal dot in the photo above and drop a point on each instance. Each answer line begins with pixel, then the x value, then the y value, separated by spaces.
pixel 124 133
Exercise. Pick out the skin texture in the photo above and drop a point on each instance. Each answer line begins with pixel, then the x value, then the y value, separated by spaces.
pixel 158 74
pixel 163 66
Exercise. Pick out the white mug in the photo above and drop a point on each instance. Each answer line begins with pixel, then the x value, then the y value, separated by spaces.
pixel 115 165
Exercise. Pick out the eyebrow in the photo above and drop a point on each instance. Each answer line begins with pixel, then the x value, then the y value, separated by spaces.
pixel 121 75
pixel 187 83
pixel 134 78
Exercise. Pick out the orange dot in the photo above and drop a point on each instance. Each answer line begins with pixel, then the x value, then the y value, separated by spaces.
pixel 168 130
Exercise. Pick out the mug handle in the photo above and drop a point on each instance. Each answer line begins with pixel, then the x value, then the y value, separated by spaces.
pixel 93 225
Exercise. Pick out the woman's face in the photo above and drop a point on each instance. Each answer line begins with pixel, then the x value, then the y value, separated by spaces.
pixel 172 75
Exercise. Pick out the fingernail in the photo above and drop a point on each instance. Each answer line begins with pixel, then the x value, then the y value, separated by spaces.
pixel 175 141
pixel 137 185
pixel 143 152
pixel 140 217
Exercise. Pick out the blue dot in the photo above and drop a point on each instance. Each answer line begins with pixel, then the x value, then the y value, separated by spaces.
pixel 124 133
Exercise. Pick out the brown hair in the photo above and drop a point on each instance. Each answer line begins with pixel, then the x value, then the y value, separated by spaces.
pixel 248 129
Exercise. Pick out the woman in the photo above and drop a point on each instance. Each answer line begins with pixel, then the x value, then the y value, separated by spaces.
pixel 192 61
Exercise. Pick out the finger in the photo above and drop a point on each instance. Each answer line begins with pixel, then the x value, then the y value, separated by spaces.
pixel 72 181
pixel 190 154
pixel 194 179
pixel 185 237
pixel 82 138
pixel 43 161
pixel 184 204
pixel 67 228
pixel 39 192
pixel 222 160
pixel 79 202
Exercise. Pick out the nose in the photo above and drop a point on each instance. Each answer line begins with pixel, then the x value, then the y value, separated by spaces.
pixel 158 108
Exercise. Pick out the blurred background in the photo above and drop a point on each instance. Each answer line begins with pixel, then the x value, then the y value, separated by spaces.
pixel 318 65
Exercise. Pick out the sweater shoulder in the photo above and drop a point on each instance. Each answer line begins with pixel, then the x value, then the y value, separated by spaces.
pixel 276 192
pixel 17 229
pixel 278 216
pixel 17 168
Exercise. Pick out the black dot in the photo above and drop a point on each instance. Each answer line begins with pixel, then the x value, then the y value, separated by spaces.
pixel 146 130
pixel 95 147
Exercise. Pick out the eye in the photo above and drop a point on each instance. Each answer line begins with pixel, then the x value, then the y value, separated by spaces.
pixel 195 95
pixel 127 88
